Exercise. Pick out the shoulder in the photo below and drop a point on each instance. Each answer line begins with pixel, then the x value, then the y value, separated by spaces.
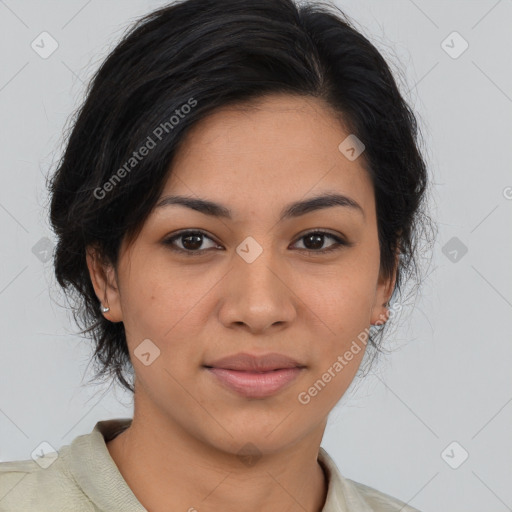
pixel 79 477
pixel 380 501
pixel 348 495
pixel 26 485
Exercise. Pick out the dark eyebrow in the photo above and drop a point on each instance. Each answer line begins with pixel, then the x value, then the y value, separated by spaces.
pixel 290 211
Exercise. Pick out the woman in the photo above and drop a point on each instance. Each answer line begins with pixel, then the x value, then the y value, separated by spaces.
pixel 240 197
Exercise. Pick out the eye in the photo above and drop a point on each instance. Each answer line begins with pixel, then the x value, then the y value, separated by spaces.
pixel 315 239
pixel 191 241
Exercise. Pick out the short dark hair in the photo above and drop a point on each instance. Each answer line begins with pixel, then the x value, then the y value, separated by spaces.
pixel 182 62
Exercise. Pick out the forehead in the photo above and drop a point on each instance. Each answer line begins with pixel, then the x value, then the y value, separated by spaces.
pixel 275 150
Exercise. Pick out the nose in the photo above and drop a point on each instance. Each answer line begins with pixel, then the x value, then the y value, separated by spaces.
pixel 257 296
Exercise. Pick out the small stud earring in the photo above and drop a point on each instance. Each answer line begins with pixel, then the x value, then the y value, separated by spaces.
pixel 104 309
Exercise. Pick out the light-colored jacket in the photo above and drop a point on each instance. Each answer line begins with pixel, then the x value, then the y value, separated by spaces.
pixel 84 478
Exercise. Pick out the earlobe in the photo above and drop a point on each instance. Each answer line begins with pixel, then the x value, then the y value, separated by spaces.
pixel 383 293
pixel 104 281
pixel 380 311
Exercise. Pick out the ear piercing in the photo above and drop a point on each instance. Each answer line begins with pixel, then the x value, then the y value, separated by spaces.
pixel 104 309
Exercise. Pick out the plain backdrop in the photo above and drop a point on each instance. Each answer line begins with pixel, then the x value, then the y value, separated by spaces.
pixel 445 392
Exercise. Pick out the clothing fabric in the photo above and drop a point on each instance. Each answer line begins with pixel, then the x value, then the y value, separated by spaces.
pixel 84 478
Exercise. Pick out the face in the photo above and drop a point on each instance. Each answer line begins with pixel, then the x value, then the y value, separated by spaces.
pixel 201 286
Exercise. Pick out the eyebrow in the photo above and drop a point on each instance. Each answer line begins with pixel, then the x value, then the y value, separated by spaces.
pixel 291 210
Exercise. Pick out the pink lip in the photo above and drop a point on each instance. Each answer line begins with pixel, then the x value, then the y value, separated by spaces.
pixel 253 363
pixel 256 384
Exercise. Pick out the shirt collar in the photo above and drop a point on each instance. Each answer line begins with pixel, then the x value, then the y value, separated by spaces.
pixel 96 473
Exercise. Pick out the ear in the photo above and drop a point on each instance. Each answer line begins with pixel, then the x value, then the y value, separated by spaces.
pixel 104 281
pixel 385 286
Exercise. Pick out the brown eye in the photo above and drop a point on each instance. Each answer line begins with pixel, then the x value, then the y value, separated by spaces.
pixel 191 242
pixel 314 240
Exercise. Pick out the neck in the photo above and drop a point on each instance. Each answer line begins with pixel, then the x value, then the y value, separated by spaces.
pixel 170 469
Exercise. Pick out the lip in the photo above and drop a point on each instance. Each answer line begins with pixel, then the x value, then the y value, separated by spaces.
pixel 255 376
pixel 252 363
pixel 256 384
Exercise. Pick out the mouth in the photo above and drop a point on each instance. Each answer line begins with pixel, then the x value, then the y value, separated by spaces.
pixel 251 370
pixel 255 363
pixel 255 384
pixel 255 376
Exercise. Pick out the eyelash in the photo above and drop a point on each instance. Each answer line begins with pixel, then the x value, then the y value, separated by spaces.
pixel 199 252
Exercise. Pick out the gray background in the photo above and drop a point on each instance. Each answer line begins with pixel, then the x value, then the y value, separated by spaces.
pixel 449 376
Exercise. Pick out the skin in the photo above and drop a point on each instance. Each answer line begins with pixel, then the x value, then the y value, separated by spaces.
pixel 181 449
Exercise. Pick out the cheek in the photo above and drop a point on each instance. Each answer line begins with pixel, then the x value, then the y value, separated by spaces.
pixel 339 310
pixel 154 295
pixel 342 337
pixel 341 297
pixel 167 306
